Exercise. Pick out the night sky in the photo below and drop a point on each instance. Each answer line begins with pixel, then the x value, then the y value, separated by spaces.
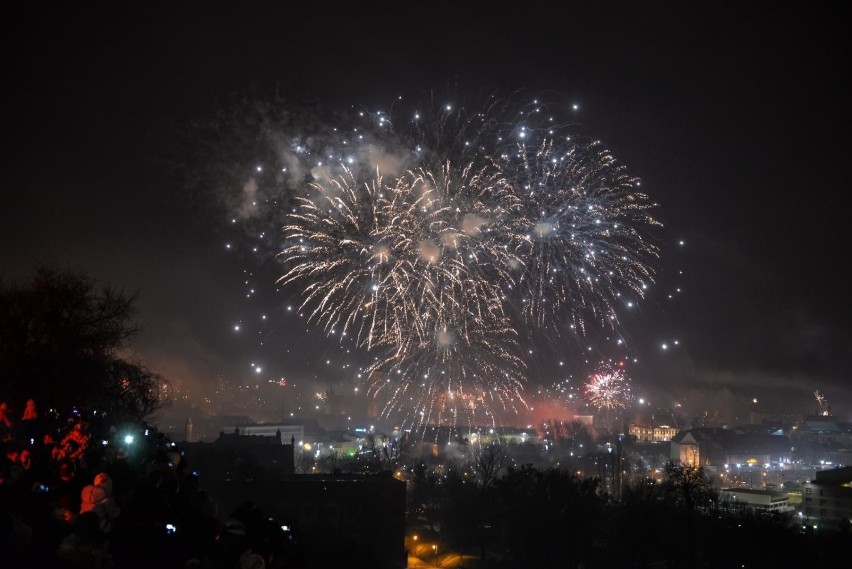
pixel 736 122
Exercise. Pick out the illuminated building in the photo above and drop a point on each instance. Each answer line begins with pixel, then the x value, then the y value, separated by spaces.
pixel 658 426
pixel 686 448
pixel 501 435
pixel 283 432
pixel 755 499
pixel 705 446
pixel 188 434
pixel 824 430
pixel 657 434
pixel 828 499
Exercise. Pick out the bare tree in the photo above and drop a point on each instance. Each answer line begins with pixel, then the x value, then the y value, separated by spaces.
pixel 689 486
pixel 62 342
pixel 692 492
pixel 487 463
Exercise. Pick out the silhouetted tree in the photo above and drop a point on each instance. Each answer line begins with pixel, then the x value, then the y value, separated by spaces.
pixel 487 462
pixel 461 508
pixel 549 518
pixel 691 492
pixel 425 496
pixel 643 525
pixel 62 339
pixel 400 451
pixel 374 455
pixel 689 486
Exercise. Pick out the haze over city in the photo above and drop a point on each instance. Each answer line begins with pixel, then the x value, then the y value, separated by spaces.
pixel 134 152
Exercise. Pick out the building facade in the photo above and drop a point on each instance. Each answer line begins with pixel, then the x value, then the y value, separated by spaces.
pixel 756 500
pixel 716 447
pixel 658 434
pixel 828 499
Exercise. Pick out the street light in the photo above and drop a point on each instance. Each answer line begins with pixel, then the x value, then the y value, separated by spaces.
pixel 435 548
pixel 415 545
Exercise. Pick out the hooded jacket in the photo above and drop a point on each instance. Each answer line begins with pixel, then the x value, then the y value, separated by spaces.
pixel 97 498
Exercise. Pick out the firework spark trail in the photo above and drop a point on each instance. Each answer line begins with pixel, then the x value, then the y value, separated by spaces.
pixel 418 240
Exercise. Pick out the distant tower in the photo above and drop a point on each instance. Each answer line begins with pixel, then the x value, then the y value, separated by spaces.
pixel 187 435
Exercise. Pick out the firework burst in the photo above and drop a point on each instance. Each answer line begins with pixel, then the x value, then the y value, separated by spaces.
pixel 419 234
pixel 582 232
pixel 608 387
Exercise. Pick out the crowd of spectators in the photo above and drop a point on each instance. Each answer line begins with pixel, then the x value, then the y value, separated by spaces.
pixel 79 491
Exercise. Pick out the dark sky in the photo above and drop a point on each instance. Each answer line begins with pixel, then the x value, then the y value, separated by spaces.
pixel 736 121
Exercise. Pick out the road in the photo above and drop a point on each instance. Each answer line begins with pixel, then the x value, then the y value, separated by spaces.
pixel 448 561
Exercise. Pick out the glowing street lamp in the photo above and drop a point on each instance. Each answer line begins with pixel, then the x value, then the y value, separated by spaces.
pixel 435 548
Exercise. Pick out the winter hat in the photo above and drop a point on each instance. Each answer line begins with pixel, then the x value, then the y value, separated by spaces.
pixel 103 480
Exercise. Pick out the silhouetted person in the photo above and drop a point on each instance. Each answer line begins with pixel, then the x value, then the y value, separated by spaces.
pixel 86 546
